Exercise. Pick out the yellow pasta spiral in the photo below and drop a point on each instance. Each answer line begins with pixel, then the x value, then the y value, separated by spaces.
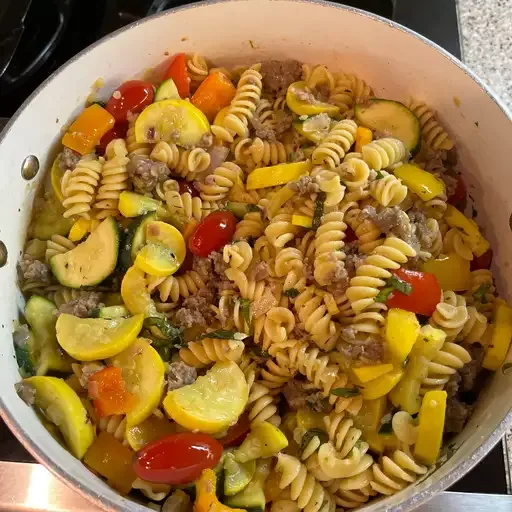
pixel 371 320
pixel 276 372
pixel 134 147
pixel 332 149
pixel 57 244
pixel 167 153
pixel 197 68
pixel 238 254
pixel 251 226
pixel 453 242
pixel 79 187
pixel 171 288
pixel 280 231
pixel 188 206
pixel 114 179
pixel 115 425
pixel 262 405
pixel 265 153
pixel 200 354
pixel 451 314
pixel 330 183
pixel 371 275
pixel 319 75
pixel 217 185
pixel 434 134
pixel 384 153
pixel 279 323
pixel 394 473
pixel 240 149
pixel 482 280
pixel 388 190
pixel 329 245
pixel 354 172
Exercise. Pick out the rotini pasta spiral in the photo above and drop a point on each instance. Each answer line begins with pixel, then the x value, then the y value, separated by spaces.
pixel 329 243
pixel 371 274
pixel 388 190
pixel 482 292
pixel 240 149
pixel 251 226
pixel 276 372
pixel 391 475
pixel 279 322
pixel 134 147
pixel 171 288
pixel 450 315
pixel 280 231
pixel 115 425
pixel 435 136
pixel 304 488
pixel 217 185
pixel 332 149
pixel 453 242
pixel 79 187
pixel 238 254
pixel 197 68
pixel 114 179
pixel 152 490
pixel 330 183
pixel 167 153
pixel 262 406
pixel 192 162
pixel 383 153
pixel 208 351
pixel 265 153
pixel 188 206
pixel 317 76
pixel 57 244
pixel 354 173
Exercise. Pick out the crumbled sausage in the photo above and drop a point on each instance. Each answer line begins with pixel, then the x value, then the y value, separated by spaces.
pixel 457 415
pixel 425 235
pixel 282 122
pixel 305 185
pixel 195 310
pixel 348 333
pixel 219 265
pixel 259 271
pixel 179 375
pixel 452 386
pixel 82 305
pixel 34 270
pixel 68 159
pixel 146 173
pixel 178 501
pixel 470 371
pixel 352 257
pixel 295 394
pixel 278 75
pixel 339 274
pixel 203 266
pixel 309 271
pixel 263 131
pixel 303 95
pixel 369 350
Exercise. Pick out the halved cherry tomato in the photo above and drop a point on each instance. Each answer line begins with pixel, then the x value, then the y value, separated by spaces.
pixel 458 196
pixel 213 232
pixel 132 96
pixel 482 262
pixel 350 235
pixel 425 296
pixel 186 186
pixel 237 433
pixel 177 459
pixel 178 72
pixel 118 132
pixel 107 388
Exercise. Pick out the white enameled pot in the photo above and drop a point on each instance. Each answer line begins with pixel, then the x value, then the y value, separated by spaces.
pixel 395 61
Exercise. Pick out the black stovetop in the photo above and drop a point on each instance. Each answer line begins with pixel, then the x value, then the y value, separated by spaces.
pixel 64 27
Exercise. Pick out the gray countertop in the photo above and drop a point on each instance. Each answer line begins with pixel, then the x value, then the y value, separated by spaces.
pixel 486 27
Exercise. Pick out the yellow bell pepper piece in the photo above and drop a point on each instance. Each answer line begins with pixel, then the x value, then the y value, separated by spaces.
pixel 206 498
pixel 302 220
pixel 367 373
pixel 264 440
pixel 372 411
pixel 497 350
pixel 213 402
pixel 430 427
pixel 79 229
pixel 307 108
pixel 407 394
pixel 56 175
pixel 89 339
pixel 135 293
pixel 278 199
pixel 62 406
pixel 363 136
pixel 87 129
pixel 380 443
pixel 149 430
pixel 470 231
pixel 401 332
pixel 382 385
pixel 308 419
pixel 451 270
pixel 144 374
pixel 277 174
pixel 421 182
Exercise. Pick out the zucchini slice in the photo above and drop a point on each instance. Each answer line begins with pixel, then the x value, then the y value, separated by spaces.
pixel 167 91
pixel 92 261
pixel 391 117
pixel 134 239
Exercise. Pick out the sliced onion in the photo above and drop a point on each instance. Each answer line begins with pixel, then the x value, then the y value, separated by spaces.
pixel 218 155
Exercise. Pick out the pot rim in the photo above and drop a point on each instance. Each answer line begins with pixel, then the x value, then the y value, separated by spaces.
pixel 460 469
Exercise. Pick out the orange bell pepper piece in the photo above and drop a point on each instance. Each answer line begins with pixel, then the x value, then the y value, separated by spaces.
pixel 214 93
pixel 87 129
pixel 108 391
pixel 178 72
pixel 206 498
pixel 112 460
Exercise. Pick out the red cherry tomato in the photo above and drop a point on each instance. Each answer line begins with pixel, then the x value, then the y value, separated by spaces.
pixel 212 233
pixel 425 296
pixel 458 196
pixel 178 72
pixel 482 262
pixel 350 235
pixel 118 132
pixel 237 433
pixel 132 96
pixel 186 186
pixel 177 459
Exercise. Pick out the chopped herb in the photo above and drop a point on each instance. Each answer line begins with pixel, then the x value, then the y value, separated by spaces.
pixel 24 361
pixel 258 352
pixel 304 146
pixel 479 294
pixel 309 436
pixel 164 336
pixel 251 42
pixel 379 175
pixel 291 292
pixel 222 334
pixel 253 208
pixel 245 304
pixel 506 367
pixel 383 294
pixel 400 285
pixel 345 392
pixel 319 210
pixel 318 405
pixel 386 426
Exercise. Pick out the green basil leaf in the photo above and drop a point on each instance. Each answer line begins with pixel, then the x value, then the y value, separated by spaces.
pixel 246 310
pixel 253 208
pixel 386 428
pixel 319 210
pixel 379 175
pixel 169 334
pixel 383 294
pixel 311 434
pixel 400 285
pixel 345 392
pixel 223 334
pixel 479 294
pixel 258 352
pixel 291 292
